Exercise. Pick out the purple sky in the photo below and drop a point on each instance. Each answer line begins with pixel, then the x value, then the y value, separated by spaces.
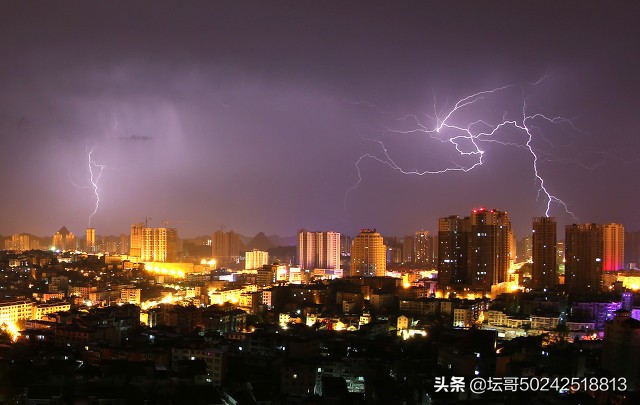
pixel 246 114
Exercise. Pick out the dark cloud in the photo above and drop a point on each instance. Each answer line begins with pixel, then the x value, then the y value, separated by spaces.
pixel 242 113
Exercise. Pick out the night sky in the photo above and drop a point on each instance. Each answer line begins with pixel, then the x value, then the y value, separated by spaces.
pixel 252 115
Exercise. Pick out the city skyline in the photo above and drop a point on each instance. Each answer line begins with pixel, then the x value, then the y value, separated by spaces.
pixel 251 120
pixel 286 237
pixel 369 202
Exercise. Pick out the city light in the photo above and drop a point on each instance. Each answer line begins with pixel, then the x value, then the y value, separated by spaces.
pixel 304 203
pixel 12 329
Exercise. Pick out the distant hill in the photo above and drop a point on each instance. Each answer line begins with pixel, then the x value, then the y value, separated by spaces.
pixel 260 242
pixel 286 241
pixel 266 242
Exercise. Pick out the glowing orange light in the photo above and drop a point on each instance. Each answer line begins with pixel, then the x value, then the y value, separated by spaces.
pixel 12 329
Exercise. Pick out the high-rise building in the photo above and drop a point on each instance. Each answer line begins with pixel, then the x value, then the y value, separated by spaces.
pixel 591 249
pixel 109 244
pixel 345 245
pixel 394 250
pixel 613 245
pixel 474 250
pixel 172 245
pixel 90 243
pixel 423 251
pixel 632 249
pixel 453 251
pixel 584 248
pixel 544 252
pixel 255 259
pixel 225 245
pixel 307 249
pixel 123 244
pixel 408 243
pixel 525 249
pixel 22 242
pixel 329 250
pixel 490 247
pixel 319 250
pixel 153 244
pixel 368 254
pixel 135 244
pixel 64 240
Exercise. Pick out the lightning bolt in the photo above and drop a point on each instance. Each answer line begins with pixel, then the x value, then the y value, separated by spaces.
pixel 467 139
pixel 94 178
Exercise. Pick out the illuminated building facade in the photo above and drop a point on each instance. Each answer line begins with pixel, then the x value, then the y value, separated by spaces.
pixel 16 311
pixel 172 269
pixel 613 245
pixel 423 249
pixel 329 250
pixel 90 244
pixel 630 280
pixel 225 245
pixel 130 296
pixel 64 240
pixel 255 259
pixel 153 244
pixel 40 310
pixel 307 249
pixel 368 254
pixel 135 243
pixel 319 250
pixel 544 252
pixel 21 242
